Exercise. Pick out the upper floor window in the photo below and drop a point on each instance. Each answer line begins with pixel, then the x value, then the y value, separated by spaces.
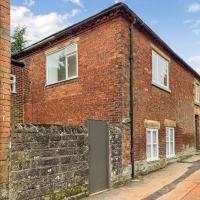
pixel 62 65
pixel 13 83
pixel 160 70
pixel 197 93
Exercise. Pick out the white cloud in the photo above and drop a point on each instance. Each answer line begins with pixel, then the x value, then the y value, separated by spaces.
pixel 194 25
pixel 117 1
pixel 188 21
pixel 195 62
pixel 39 26
pixel 192 22
pixel 29 3
pixel 197 69
pixel 196 31
pixel 194 7
pixel 195 59
pixel 77 2
pixel 152 22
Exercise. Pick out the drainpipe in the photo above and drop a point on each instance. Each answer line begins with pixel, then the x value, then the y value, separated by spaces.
pixel 131 101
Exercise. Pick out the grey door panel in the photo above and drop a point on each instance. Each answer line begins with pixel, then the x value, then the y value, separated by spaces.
pixel 98 156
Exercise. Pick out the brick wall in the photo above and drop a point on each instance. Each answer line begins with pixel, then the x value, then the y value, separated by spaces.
pixel 4 93
pixel 17 99
pixel 96 94
pixel 152 103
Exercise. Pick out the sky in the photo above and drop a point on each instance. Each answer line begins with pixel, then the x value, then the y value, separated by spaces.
pixel 177 22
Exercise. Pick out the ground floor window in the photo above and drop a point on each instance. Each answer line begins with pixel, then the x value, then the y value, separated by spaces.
pixel 13 83
pixel 152 144
pixel 170 142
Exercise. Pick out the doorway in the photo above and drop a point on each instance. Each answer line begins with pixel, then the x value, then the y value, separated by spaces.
pixel 98 156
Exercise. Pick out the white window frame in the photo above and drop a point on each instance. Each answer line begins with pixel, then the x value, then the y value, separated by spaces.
pixel 152 158
pixel 66 55
pixel 13 83
pixel 156 82
pixel 197 93
pixel 168 131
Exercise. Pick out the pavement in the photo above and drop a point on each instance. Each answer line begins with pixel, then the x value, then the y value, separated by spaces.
pixel 178 181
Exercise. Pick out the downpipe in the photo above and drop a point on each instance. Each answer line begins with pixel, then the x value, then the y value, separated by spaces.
pixel 131 59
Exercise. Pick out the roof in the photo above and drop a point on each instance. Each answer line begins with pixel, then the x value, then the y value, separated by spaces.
pixel 17 63
pixel 113 11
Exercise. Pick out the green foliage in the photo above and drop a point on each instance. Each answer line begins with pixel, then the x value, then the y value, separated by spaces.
pixel 66 193
pixel 18 40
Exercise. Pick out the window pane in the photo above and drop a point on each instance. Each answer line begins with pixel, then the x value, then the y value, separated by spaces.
pixel 71 49
pixel 148 151
pixel 61 68
pixel 197 93
pixel 72 66
pixel 167 148
pixel 167 135
pixel 155 137
pixel 56 67
pixel 13 83
pixel 154 66
pixel 155 151
pixel 159 69
pixel 171 137
pixel 148 137
pixel 163 71
pixel 171 148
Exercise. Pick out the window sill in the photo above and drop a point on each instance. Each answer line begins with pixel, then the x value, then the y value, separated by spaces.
pixel 161 87
pixel 171 156
pixel 197 103
pixel 153 160
pixel 74 79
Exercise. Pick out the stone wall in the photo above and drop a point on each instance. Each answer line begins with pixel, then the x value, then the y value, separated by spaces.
pixel 116 167
pixel 144 167
pixel 4 94
pixel 48 162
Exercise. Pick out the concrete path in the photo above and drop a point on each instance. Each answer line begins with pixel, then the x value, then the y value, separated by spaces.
pixel 178 181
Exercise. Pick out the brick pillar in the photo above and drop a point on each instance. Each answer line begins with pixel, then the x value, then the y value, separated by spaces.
pixel 4 95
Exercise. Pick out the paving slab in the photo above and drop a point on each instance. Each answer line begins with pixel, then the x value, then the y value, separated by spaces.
pixel 194 194
pixel 178 181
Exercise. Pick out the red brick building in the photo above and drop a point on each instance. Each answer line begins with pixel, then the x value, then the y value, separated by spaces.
pixel 113 67
pixel 4 94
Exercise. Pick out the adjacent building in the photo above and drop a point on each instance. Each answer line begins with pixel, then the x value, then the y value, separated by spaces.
pixel 4 95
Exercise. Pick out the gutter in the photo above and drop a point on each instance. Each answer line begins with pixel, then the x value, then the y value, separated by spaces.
pixel 121 9
pixel 73 29
pixel 131 59
pixel 18 63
